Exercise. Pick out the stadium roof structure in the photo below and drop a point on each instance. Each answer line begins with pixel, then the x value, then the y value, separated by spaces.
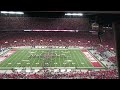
pixel 111 15
pixel 110 12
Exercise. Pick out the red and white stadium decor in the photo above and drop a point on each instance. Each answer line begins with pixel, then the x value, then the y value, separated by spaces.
pixel 92 59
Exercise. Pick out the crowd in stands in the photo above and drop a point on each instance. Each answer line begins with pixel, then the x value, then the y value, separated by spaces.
pixel 103 74
pixel 109 39
pixel 84 39
pixel 113 59
pixel 43 38
pixel 15 23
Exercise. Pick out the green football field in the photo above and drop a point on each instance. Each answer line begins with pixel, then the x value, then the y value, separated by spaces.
pixel 47 58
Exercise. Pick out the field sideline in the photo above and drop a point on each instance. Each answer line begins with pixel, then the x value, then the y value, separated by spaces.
pixel 57 58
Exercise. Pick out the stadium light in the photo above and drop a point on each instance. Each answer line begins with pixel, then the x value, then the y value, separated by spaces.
pixel 4 12
pixel 74 14
pixel 19 12
pixel 11 12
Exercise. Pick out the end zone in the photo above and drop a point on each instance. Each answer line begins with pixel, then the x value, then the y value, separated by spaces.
pixel 91 58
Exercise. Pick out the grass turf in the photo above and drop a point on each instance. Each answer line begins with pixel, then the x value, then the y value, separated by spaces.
pixel 61 58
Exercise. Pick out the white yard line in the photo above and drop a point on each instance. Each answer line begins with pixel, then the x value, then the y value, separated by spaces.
pixel 51 59
pixel 4 62
pixel 39 60
pixel 37 52
pixel 20 59
pixel 68 59
pixel 17 61
pixel 73 54
pixel 55 62
pixel 19 52
pixel 83 59
pixel 32 63
pixel 24 55
pixel 59 58
pixel 71 58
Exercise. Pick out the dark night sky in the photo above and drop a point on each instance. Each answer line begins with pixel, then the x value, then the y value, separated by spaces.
pixel 103 17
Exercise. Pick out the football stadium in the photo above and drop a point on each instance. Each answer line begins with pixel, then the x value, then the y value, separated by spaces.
pixel 57 45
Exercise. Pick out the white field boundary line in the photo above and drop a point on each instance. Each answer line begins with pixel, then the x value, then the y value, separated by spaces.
pixel 58 67
pixel 95 58
pixel 89 59
pixel 12 52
